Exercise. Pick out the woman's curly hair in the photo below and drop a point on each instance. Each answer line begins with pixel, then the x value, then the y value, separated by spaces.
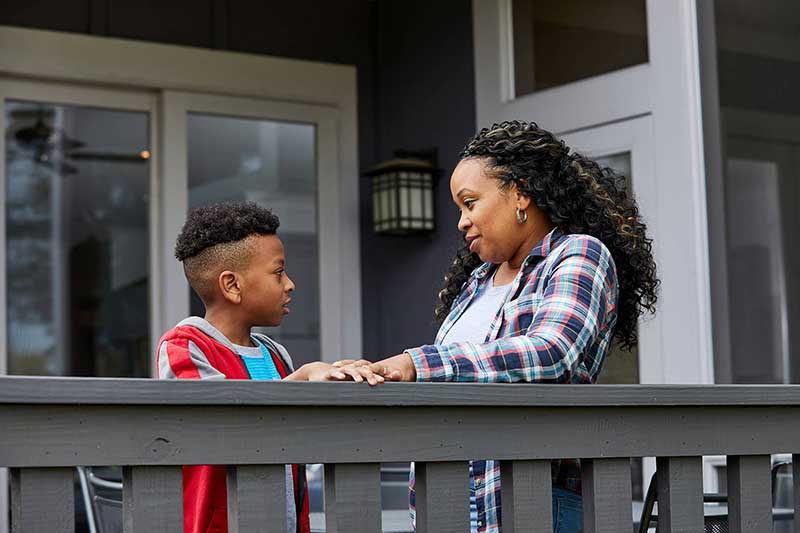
pixel 578 196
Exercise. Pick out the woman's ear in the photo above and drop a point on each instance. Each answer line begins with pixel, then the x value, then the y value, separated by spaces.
pixel 522 202
pixel 229 286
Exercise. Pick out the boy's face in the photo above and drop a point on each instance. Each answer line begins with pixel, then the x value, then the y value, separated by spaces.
pixel 267 288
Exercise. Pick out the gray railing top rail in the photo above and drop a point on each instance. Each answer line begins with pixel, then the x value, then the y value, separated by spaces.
pixel 63 422
pixel 112 391
pixel 48 425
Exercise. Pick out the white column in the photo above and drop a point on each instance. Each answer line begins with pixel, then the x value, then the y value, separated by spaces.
pixel 682 248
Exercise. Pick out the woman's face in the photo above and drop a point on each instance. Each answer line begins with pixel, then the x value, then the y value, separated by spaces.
pixel 488 213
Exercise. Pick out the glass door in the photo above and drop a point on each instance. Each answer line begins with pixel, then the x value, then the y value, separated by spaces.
pixel 273 164
pixel 584 70
pixel 76 285
pixel 76 174
pixel 283 157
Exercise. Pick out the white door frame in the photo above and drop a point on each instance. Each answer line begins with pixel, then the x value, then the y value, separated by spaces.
pixel 303 91
pixel 667 89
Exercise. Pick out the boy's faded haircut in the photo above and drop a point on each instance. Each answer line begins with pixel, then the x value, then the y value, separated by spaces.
pixel 216 238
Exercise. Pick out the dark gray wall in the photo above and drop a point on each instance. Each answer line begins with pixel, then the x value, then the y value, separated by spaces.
pixel 416 90
pixel 425 97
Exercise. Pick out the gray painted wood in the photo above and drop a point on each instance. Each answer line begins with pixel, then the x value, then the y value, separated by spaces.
pixel 526 496
pixel 442 497
pixel 680 494
pixel 105 391
pixel 259 427
pixel 256 498
pixel 353 498
pixel 42 499
pixel 749 493
pixel 174 434
pixel 796 492
pixel 606 495
pixel 152 499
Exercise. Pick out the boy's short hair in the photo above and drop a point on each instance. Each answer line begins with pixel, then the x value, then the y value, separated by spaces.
pixel 215 238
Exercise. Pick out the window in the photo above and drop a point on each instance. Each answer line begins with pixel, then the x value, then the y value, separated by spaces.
pixel 77 270
pixel 560 41
pixel 274 164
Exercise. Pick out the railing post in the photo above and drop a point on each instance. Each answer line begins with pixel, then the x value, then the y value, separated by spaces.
pixel 527 496
pixel 43 499
pixel 4 507
pixel 442 497
pixel 353 498
pixel 749 493
pixel 152 499
pixel 606 495
pixel 680 494
pixel 256 498
pixel 796 486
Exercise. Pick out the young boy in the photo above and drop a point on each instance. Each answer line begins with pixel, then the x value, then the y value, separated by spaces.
pixel 235 262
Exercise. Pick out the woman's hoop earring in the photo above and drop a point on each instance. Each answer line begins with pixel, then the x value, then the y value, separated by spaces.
pixel 522 216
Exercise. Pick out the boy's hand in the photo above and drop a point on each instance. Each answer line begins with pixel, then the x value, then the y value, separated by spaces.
pixel 321 371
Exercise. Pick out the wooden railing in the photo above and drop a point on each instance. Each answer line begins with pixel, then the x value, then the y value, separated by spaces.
pixel 48 426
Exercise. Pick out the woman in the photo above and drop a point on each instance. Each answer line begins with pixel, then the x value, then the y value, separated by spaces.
pixel 556 266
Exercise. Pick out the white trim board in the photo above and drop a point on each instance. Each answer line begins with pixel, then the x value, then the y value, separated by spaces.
pixel 127 63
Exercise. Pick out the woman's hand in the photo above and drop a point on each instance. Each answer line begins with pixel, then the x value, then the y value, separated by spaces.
pixel 322 371
pixel 397 368
pixel 359 371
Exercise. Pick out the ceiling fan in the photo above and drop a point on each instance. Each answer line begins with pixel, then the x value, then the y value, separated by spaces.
pixel 48 146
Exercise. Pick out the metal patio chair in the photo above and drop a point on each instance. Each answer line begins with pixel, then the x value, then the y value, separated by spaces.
pixel 713 523
pixel 102 498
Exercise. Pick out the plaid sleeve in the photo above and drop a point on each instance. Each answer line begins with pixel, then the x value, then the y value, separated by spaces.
pixel 563 323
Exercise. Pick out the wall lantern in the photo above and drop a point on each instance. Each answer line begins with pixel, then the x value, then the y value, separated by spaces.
pixel 402 193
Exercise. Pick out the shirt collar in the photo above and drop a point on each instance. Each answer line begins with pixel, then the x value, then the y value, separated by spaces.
pixel 540 250
pixel 547 243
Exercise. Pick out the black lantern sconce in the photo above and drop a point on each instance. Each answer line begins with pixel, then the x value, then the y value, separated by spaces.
pixel 402 193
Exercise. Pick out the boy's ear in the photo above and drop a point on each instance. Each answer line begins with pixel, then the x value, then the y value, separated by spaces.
pixel 230 287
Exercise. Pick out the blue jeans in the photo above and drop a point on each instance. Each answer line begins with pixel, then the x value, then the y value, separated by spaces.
pixel 567 511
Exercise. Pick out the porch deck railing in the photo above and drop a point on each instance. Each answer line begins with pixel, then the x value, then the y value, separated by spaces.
pixel 50 425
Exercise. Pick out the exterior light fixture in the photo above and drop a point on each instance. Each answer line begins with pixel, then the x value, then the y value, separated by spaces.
pixel 402 193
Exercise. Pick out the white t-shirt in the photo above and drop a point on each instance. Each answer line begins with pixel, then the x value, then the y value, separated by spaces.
pixel 473 326
pixel 474 323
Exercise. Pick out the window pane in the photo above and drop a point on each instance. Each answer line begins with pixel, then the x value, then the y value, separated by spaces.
pixel 560 41
pixel 77 240
pixel 620 366
pixel 759 76
pixel 273 164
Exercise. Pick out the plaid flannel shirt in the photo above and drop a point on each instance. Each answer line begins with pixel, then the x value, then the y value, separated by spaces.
pixel 556 326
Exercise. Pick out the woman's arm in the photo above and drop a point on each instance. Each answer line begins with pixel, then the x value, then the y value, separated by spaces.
pixel 573 311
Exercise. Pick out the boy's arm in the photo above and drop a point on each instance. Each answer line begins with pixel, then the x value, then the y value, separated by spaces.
pixel 182 359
